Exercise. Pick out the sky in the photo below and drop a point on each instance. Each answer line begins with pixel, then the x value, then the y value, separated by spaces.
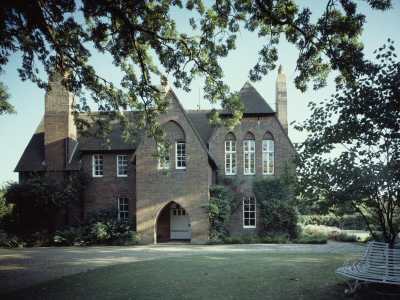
pixel 16 130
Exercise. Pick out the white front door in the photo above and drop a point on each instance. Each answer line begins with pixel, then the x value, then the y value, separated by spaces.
pixel 180 223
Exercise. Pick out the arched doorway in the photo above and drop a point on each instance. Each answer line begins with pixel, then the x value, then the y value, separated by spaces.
pixel 173 223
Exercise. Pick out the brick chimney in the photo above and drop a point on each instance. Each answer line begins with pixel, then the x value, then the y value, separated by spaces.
pixel 59 127
pixel 281 99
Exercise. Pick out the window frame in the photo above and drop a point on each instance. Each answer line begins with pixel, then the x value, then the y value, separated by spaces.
pixel 125 211
pixel 232 158
pixel 122 165
pixel 167 166
pixel 248 155
pixel 265 154
pixel 180 158
pixel 249 211
pixel 97 165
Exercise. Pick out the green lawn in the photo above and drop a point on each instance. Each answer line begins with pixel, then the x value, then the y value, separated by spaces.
pixel 362 234
pixel 229 276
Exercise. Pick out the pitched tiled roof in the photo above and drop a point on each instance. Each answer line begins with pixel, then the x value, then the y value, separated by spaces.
pixel 33 157
pixel 116 142
pixel 253 102
pixel 201 123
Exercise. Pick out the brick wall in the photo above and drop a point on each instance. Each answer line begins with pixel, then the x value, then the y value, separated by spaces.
pixel 59 126
pixel 189 187
pixel 104 191
pixel 258 126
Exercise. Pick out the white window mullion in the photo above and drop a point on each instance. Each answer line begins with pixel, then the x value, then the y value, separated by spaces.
pixel 122 166
pixel 249 213
pixel 230 157
pixel 268 157
pixel 123 208
pixel 249 157
pixel 97 165
pixel 180 155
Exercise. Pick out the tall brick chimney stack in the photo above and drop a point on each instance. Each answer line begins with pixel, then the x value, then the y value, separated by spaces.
pixel 281 99
pixel 59 127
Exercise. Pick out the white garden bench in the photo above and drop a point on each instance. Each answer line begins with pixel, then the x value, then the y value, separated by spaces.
pixel 379 264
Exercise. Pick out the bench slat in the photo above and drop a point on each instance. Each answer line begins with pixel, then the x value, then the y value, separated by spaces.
pixel 378 264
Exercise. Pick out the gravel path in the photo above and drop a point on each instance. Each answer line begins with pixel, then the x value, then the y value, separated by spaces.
pixel 24 267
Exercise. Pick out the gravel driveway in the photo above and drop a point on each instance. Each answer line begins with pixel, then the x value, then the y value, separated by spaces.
pixel 24 267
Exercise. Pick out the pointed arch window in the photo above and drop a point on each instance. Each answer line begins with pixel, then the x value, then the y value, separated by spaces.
pixel 268 154
pixel 174 132
pixel 249 152
pixel 230 154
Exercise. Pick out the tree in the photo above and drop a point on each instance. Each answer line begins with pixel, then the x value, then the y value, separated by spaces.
pixel 60 34
pixel 5 106
pixel 363 123
pixel 38 203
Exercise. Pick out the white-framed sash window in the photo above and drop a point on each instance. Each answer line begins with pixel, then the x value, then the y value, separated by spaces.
pixel 268 157
pixel 97 165
pixel 180 151
pixel 122 165
pixel 230 157
pixel 249 157
pixel 249 212
pixel 123 208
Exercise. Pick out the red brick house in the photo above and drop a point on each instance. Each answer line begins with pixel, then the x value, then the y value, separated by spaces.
pixel 128 177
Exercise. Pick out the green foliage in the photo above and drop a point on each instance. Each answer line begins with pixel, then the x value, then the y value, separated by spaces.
pixel 103 228
pixel 5 208
pixel 70 236
pixel 219 211
pixel 361 124
pixel 34 203
pixel 307 239
pixel 25 205
pixel 12 242
pixel 5 106
pixel 354 222
pixel 143 40
pixel 37 202
pixel 331 233
pixel 277 211
pixel 274 238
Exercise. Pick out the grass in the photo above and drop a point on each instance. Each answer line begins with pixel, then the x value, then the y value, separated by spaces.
pixel 361 234
pixel 229 276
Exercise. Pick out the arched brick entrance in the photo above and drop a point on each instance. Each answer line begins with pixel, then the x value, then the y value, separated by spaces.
pixel 173 223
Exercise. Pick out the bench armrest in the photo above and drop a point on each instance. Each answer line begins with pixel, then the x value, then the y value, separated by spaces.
pixel 354 264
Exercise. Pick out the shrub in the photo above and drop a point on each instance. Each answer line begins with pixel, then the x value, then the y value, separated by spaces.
pixel 350 222
pixel 251 240
pixel 12 242
pixel 71 236
pixel 331 233
pixel 40 239
pixel 219 211
pixel 309 239
pixel 278 213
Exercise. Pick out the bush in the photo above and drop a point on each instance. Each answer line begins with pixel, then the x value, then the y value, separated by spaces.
pixel 12 242
pixel 272 238
pixel 103 228
pixel 71 236
pixel 219 211
pixel 379 237
pixel 278 213
pixel 309 239
pixel 350 222
pixel 40 239
pixel 331 233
